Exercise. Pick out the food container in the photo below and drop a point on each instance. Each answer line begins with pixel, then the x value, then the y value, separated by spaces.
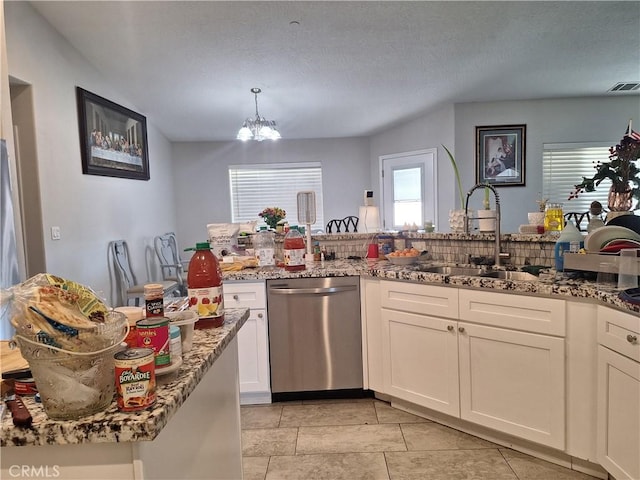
pixel 135 379
pixel 133 314
pixel 154 333
pixel 73 384
pixel 185 320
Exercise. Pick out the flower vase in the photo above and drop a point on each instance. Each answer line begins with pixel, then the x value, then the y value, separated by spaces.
pixel 487 220
pixel 457 219
pixel 620 201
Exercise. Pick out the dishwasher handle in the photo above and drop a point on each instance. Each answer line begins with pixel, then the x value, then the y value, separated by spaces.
pixel 307 291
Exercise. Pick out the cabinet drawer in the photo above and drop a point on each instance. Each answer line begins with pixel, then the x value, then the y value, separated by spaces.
pixel 417 298
pixel 244 295
pixel 619 331
pixel 531 314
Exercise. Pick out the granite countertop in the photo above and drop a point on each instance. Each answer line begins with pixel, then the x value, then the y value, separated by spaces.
pixel 112 425
pixel 550 282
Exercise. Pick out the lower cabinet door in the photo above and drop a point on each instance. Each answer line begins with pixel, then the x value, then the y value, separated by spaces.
pixel 513 382
pixel 618 414
pixel 420 360
pixel 253 359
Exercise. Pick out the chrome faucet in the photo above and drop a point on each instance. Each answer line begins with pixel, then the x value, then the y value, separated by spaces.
pixel 498 253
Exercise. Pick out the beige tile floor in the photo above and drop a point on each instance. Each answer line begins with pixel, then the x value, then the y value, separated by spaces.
pixel 367 439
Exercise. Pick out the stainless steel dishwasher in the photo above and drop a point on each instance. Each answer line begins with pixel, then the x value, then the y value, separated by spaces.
pixel 315 340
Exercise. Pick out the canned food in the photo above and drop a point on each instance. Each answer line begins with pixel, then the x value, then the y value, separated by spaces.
pixel 135 379
pixel 154 333
pixel 25 386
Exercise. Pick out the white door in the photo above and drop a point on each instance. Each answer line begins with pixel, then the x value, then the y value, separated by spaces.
pixel 409 188
pixel 513 382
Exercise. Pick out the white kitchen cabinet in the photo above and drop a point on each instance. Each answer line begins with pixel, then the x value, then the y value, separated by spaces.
pixel 512 379
pixel 371 335
pixel 419 349
pixel 253 340
pixel 420 359
pixel 513 382
pixel 619 393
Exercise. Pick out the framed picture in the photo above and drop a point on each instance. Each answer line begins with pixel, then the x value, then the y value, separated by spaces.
pixel 500 155
pixel 113 138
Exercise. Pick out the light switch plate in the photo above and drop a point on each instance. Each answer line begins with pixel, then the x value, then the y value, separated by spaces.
pixel 55 233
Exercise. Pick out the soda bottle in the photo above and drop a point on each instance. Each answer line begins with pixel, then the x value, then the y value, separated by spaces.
pixel 204 287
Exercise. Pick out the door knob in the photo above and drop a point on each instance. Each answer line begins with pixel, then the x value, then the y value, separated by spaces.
pixel 450 328
pixel 632 339
pixel 461 329
pixel 235 297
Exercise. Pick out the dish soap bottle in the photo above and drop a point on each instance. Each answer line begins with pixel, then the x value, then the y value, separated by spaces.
pixel 294 250
pixel 570 240
pixel 204 287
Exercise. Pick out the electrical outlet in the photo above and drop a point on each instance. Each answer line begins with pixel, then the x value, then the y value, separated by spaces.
pixel 55 233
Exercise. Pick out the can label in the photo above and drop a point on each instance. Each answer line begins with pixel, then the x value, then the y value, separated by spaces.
pixel 135 379
pixel 206 302
pixel 25 386
pixel 154 333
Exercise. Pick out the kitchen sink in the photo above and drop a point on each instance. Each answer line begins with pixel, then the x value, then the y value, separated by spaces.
pixel 509 275
pixel 447 270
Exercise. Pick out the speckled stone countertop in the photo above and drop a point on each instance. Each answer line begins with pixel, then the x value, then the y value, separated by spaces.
pixel 549 283
pixel 112 425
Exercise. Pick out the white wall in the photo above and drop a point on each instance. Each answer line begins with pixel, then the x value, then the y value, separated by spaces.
pixel 429 131
pixel 90 210
pixel 594 119
pixel 202 179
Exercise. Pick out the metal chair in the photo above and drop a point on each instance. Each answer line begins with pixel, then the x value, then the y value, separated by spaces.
pixel 171 265
pixel 126 282
pixel 346 223
pixel 578 217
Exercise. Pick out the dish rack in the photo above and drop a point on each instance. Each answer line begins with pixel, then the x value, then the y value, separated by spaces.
pixel 593 262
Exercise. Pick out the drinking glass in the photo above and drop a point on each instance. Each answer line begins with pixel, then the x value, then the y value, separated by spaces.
pixel 628 269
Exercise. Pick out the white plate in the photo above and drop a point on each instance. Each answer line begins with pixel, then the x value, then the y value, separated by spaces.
pixel 170 369
pixel 402 260
pixel 603 235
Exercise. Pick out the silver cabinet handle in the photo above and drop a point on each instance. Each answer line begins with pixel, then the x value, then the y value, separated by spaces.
pixel 461 329
pixel 632 339
pixel 450 328
pixel 235 297
pixel 259 315
pixel 307 291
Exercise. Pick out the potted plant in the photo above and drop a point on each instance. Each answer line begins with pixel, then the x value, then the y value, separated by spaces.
pixel 537 218
pixel 621 170
pixel 272 215
pixel 456 216
pixel 486 217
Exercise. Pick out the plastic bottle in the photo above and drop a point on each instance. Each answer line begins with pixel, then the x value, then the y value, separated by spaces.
pixel 294 250
pixel 265 249
pixel 204 287
pixel 570 240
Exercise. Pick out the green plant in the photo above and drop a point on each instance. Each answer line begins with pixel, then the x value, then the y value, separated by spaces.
pixel 455 170
pixel 542 203
pixel 272 215
pixel 621 168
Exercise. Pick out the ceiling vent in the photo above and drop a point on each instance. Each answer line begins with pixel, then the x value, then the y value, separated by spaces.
pixel 625 87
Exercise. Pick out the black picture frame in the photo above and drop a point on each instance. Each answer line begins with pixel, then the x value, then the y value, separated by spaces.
pixel 500 155
pixel 113 139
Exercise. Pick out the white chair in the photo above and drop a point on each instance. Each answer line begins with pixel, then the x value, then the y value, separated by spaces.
pixel 171 265
pixel 126 282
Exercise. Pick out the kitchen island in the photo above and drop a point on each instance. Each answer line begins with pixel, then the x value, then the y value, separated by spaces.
pixel 192 431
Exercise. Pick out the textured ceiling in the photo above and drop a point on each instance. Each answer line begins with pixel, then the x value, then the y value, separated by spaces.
pixel 336 69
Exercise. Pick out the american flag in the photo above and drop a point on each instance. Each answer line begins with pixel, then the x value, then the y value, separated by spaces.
pixel 632 133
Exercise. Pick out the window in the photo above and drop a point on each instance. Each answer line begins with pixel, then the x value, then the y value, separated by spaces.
pixel 564 165
pixel 256 187
pixel 408 188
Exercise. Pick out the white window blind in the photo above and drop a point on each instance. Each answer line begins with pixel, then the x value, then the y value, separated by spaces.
pixel 256 187
pixel 564 165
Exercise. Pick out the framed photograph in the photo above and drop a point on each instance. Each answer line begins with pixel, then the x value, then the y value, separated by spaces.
pixel 113 138
pixel 500 155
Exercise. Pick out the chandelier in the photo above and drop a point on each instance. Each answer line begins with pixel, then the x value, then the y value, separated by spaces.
pixel 258 128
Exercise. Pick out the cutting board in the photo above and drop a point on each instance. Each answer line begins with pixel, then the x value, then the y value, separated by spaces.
pixel 10 359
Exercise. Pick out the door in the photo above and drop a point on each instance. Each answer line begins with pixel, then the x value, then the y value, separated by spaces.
pixel 513 382
pixel 420 360
pixel 618 414
pixel 409 188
